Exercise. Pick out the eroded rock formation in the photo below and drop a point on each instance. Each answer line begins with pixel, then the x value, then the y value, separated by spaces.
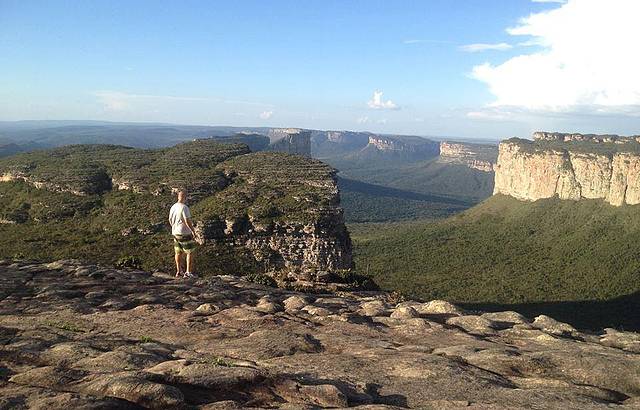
pixel 85 336
pixel 476 156
pixel 290 140
pixel 592 169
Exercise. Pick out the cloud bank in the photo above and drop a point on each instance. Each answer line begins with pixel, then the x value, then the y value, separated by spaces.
pixel 586 59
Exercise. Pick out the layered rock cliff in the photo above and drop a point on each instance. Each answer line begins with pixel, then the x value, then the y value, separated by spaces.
pixel 254 212
pixel 476 156
pixel 593 168
pixel 290 140
pixel 81 336
pixel 399 148
pixel 335 143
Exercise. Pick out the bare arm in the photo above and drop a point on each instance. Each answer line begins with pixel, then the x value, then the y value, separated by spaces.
pixel 187 221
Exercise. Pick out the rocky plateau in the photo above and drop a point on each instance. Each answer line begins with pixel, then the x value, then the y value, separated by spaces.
pixel 78 336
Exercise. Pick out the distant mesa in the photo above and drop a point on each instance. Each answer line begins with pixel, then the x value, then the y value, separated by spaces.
pixel 290 140
pixel 412 145
pixel 396 148
pixel 570 166
pixel 476 156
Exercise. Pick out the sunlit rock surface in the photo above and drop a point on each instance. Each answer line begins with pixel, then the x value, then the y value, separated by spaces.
pixel 86 336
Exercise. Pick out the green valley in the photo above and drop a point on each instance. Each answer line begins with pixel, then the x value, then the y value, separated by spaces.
pixel 577 260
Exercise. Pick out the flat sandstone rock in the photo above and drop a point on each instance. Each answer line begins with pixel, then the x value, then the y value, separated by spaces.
pixel 70 338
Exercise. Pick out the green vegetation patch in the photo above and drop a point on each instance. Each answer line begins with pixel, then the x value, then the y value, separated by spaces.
pixel 507 253
pixel 584 147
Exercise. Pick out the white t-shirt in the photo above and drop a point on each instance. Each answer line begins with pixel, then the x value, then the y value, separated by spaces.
pixel 177 216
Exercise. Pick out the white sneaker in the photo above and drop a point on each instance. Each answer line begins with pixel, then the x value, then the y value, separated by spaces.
pixel 189 275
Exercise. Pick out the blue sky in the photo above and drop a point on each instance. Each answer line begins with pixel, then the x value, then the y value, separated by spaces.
pixel 314 64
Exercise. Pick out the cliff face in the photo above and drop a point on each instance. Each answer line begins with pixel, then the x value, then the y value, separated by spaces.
pixel 532 170
pixel 297 226
pixel 402 147
pixel 335 143
pixel 290 140
pixel 271 211
pixel 475 156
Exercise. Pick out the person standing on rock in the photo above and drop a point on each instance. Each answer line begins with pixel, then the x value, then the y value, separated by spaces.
pixel 183 234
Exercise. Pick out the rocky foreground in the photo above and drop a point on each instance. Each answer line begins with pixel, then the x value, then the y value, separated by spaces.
pixel 77 336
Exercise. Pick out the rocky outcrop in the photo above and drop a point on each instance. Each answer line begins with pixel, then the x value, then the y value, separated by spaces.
pixel 534 170
pixel 266 211
pixel 74 335
pixel 94 181
pixel 290 140
pixel 476 156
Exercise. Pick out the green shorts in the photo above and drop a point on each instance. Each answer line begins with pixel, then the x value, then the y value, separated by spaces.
pixel 183 244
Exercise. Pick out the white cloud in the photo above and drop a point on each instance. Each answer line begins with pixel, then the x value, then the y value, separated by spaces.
pixel 588 60
pixel 377 103
pixel 548 1
pixel 362 120
pixel 265 115
pixel 474 48
pixel 382 121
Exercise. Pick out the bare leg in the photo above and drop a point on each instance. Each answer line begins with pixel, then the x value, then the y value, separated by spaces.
pixel 178 263
pixel 190 262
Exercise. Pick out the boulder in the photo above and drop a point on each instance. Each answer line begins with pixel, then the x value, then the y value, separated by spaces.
pixel 404 312
pixel 477 325
pixel 552 326
pixel 438 307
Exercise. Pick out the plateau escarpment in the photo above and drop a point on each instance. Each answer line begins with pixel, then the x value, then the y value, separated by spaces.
pixel 476 156
pixel 254 212
pixel 571 166
pixel 290 140
pixel 325 144
pixel 384 147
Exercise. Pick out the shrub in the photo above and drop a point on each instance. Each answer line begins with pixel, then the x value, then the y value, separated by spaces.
pixel 261 279
pixel 132 262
